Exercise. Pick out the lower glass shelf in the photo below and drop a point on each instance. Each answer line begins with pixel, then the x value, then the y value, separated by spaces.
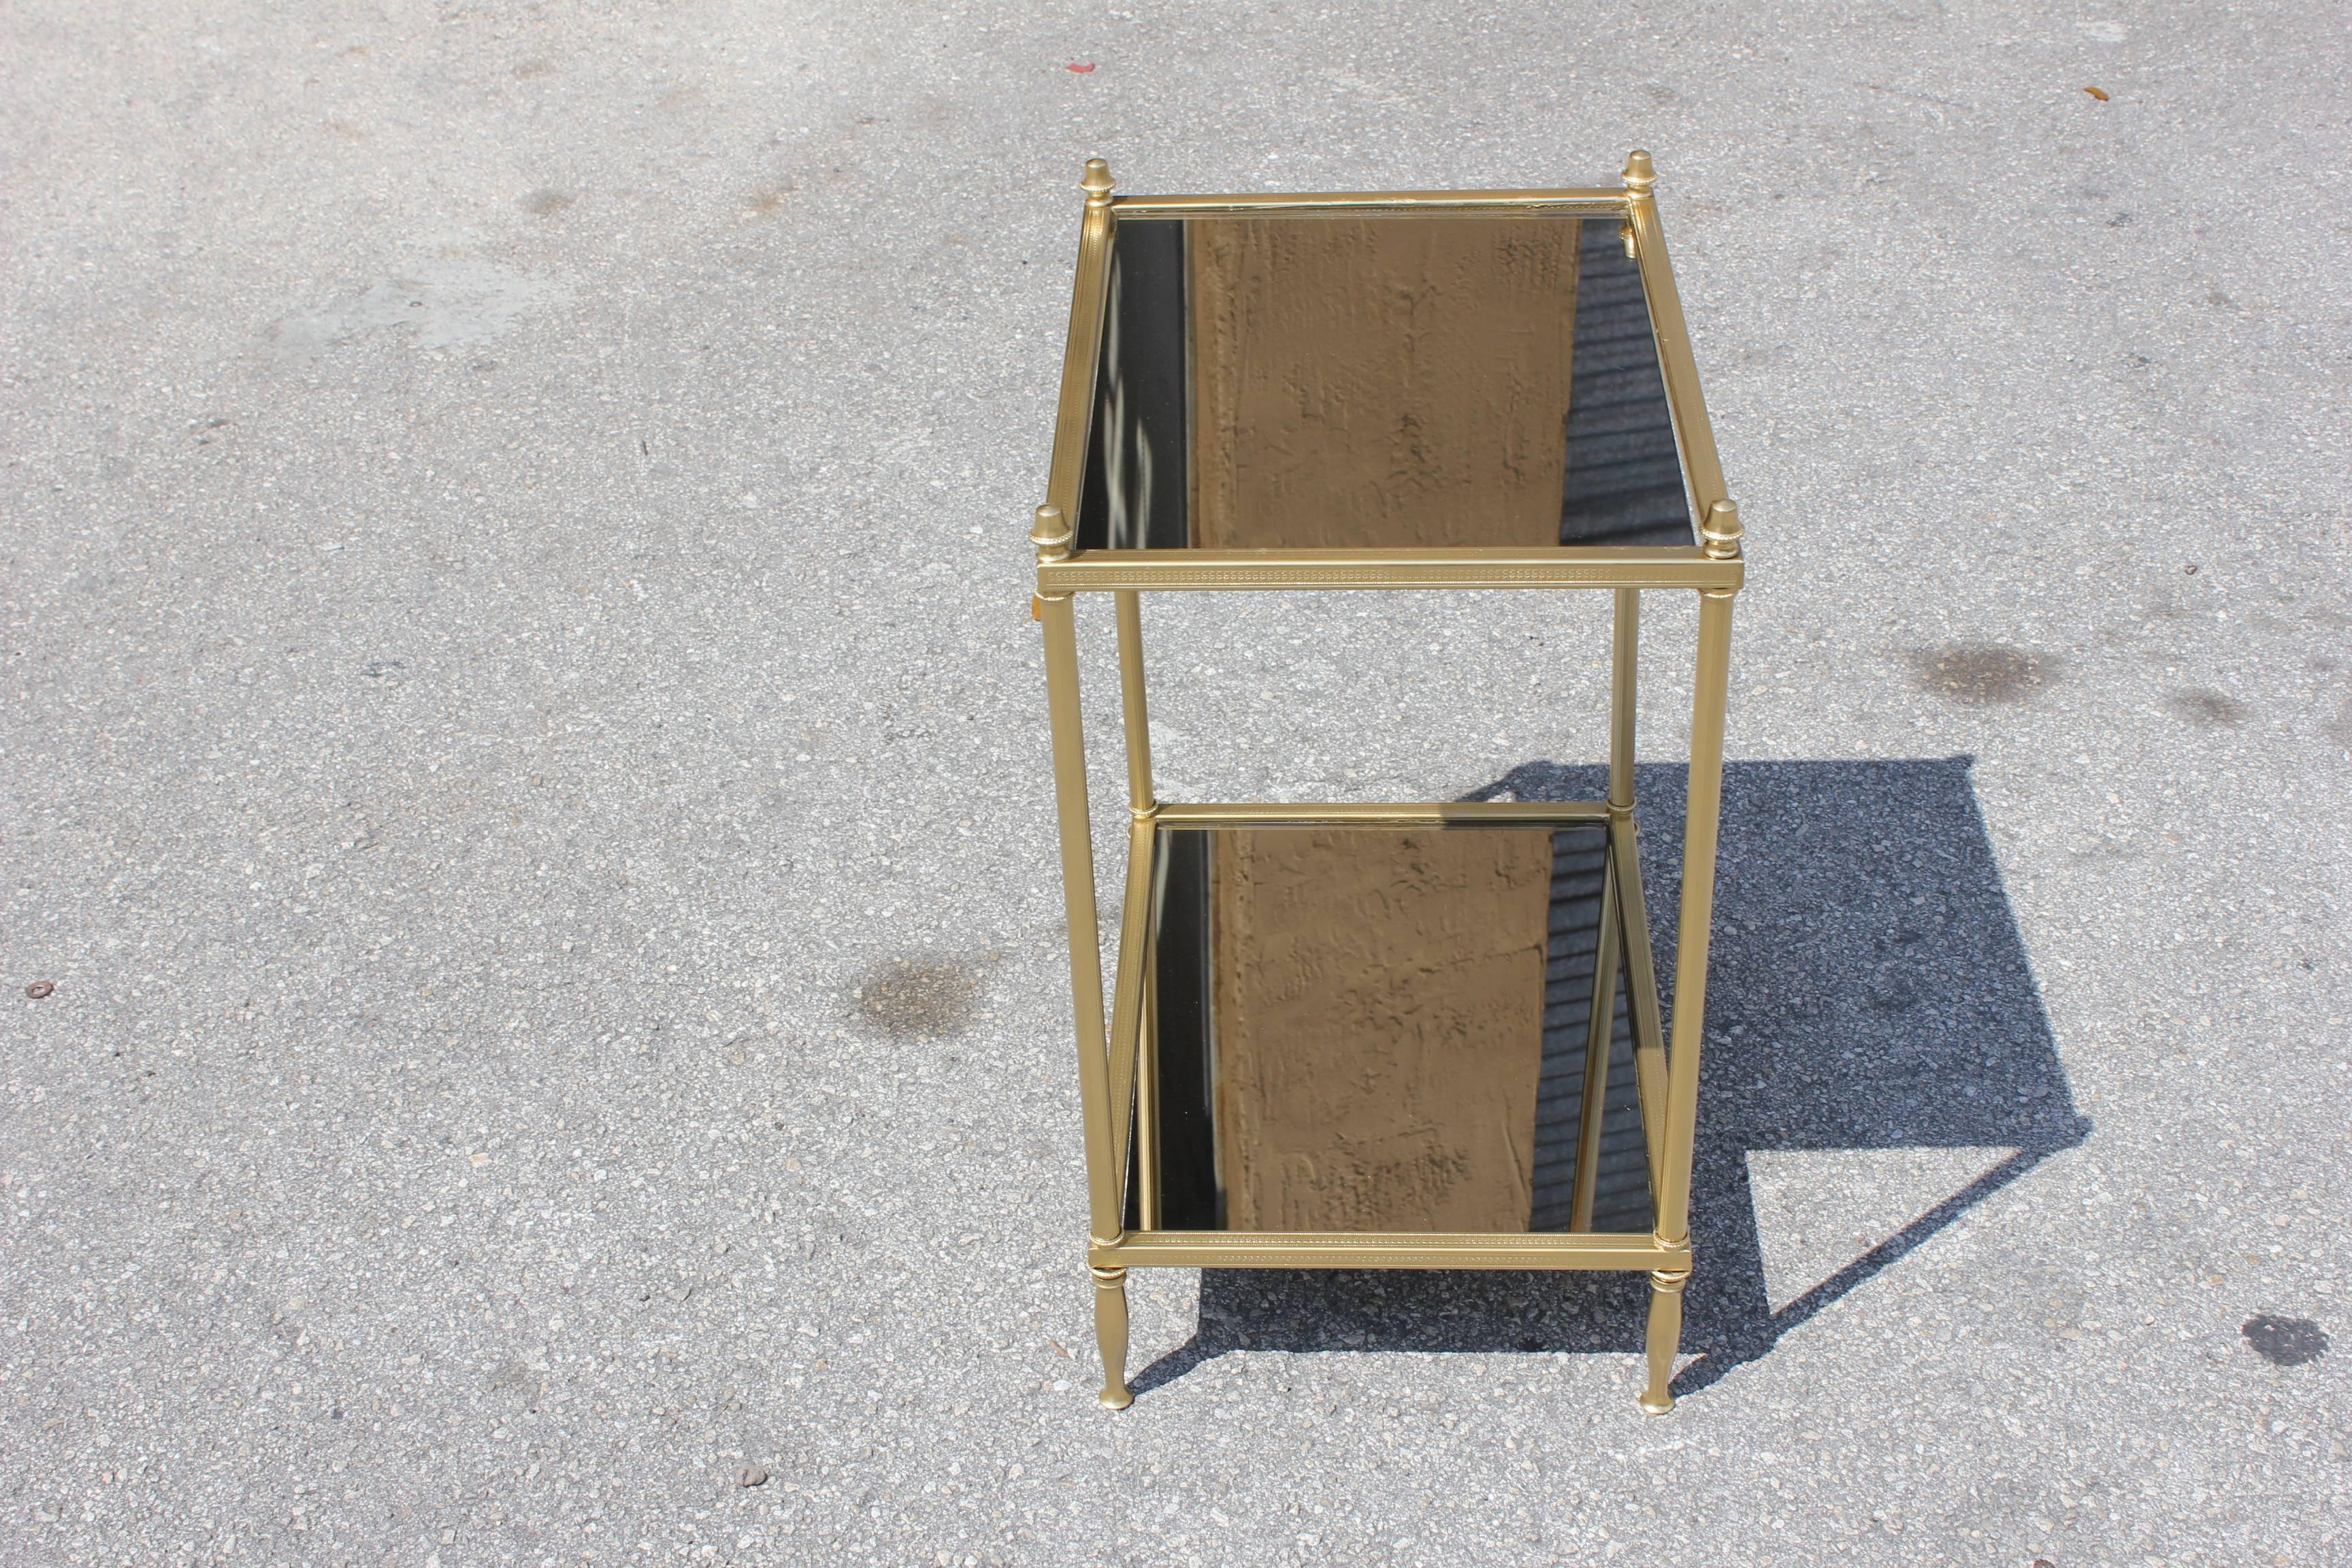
pixel 1346 1039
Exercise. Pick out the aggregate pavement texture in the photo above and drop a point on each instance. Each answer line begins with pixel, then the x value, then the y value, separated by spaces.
pixel 525 772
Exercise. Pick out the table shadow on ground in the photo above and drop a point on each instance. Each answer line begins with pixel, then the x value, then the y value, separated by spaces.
pixel 1868 990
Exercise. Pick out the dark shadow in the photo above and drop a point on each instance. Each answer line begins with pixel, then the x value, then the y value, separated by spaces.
pixel 1867 990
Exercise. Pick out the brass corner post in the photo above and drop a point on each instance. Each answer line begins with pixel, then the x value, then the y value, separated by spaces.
pixel 1702 825
pixel 1625 682
pixel 1133 709
pixel 1665 1337
pixel 1599 1034
pixel 1099 185
pixel 1096 182
pixel 1051 534
pixel 1719 532
pixel 1110 1334
pixel 1054 534
pixel 1640 178
pixel 1088 295
pixel 1720 540
pixel 1624 670
pixel 1692 433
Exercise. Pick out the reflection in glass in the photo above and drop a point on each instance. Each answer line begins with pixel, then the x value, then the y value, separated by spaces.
pixel 1378 383
pixel 1377 1030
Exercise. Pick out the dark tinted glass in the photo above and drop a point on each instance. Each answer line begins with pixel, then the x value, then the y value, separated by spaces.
pixel 1378 383
pixel 1379 1029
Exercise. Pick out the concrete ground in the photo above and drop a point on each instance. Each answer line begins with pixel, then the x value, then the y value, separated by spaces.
pixel 525 768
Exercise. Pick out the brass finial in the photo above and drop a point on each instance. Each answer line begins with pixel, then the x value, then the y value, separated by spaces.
pixel 1719 530
pixel 1051 534
pixel 1640 175
pixel 1096 183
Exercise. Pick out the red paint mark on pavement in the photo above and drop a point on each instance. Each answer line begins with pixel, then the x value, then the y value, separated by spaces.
pixel 1081 69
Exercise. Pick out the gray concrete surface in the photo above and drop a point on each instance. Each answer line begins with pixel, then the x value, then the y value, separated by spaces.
pixel 524 765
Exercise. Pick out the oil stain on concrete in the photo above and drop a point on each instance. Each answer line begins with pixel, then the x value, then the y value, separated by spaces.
pixel 2285 1342
pixel 2205 708
pixel 1983 674
pixel 918 999
pixel 443 302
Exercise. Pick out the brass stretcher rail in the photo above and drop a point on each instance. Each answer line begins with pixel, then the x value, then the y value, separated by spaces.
pixel 1599 203
pixel 1384 813
pixel 1385 1249
pixel 1565 566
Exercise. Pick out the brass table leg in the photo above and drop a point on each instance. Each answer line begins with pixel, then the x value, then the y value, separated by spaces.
pixel 1599 1034
pixel 1111 1335
pixel 1666 1337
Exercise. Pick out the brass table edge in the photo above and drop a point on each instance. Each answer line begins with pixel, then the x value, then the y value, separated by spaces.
pixel 1627 1252
pixel 1573 203
pixel 1563 566
pixel 1378 813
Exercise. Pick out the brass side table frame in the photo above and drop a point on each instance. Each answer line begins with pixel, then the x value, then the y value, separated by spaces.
pixel 1112 1032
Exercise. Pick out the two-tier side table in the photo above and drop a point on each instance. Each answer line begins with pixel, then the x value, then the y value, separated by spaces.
pixel 1381 1036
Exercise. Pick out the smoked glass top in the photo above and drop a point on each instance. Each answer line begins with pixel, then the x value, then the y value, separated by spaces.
pixel 1377 1030
pixel 1383 383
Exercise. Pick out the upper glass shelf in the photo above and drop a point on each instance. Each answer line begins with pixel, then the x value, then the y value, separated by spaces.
pixel 1378 383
